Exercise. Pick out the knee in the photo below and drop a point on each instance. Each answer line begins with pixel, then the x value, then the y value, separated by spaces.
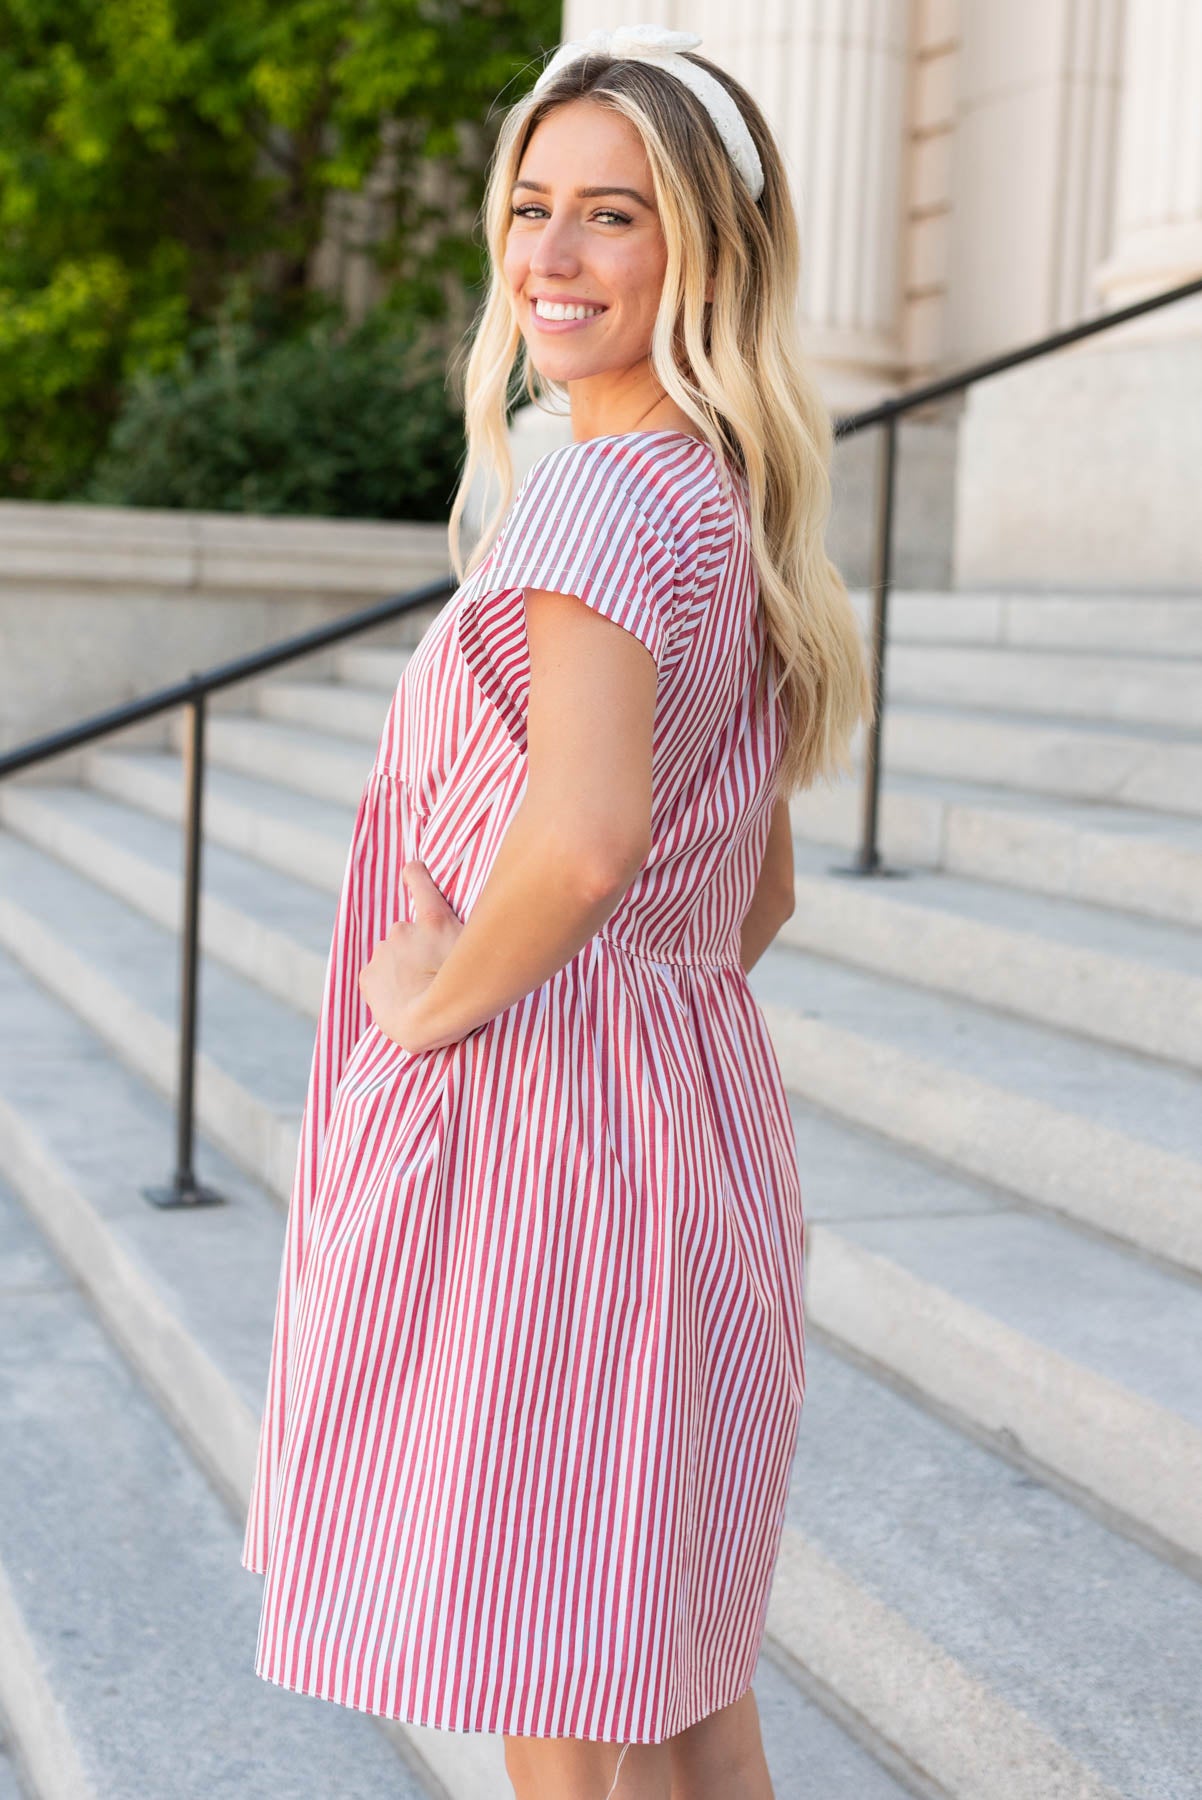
pixel 722 1754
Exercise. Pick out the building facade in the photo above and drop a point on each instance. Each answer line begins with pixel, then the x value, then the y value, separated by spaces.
pixel 969 176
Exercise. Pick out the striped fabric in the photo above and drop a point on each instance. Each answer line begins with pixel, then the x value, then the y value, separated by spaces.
pixel 538 1357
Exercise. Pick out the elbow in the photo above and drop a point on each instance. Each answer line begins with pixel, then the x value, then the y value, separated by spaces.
pixel 607 870
pixel 782 903
pixel 593 859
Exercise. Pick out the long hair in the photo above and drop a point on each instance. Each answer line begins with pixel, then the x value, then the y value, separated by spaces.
pixel 733 365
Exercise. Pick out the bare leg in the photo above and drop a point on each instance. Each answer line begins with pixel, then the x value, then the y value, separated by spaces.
pixel 583 1769
pixel 719 1758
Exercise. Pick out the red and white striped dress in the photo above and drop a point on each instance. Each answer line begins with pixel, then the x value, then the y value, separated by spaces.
pixel 538 1358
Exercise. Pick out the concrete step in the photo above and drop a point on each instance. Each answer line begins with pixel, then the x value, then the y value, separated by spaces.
pixel 118 971
pixel 1129 765
pixel 11 1787
pixel 1130 624
pixel 1115 688
pixel 1163 627
pixel 1107 1139
pixel 1047 804
pixel 274 932
pixel 279 827
pixel 1064 1354
pixel 267 926
pixel 326 706
pixel 1075 1651
pixel 1132 982
pixel 128 1626
pixel 1123 1317
pixel 1100 1084
pixel 806 1746
pixel 325 767
pixel 377 670
pixel 1120 856
pixel 1103 974
pixel 1029 749
pixel 189 1296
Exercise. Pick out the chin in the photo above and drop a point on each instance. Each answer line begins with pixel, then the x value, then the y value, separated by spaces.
pixel 564 368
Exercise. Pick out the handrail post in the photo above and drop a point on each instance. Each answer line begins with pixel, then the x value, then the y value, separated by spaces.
pixel 868 861
pixel 184 1189
pixel 882 577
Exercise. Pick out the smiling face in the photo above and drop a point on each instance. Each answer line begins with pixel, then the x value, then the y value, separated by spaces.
pixel 604 248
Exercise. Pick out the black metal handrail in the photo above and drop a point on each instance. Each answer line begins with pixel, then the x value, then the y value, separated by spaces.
pixel 184 1189
pixel 886 414
pixel 182 693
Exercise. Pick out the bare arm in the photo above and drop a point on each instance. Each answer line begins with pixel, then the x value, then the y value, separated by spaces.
pixel 580 833
pixel 774 897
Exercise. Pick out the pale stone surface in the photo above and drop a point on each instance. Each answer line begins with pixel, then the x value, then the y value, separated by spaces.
pixel 99 605
pixel 123 1610
pixel 189 1297
pixel 961 1164
pixel 1081 471
pixel 970 177
pixel 1038 1605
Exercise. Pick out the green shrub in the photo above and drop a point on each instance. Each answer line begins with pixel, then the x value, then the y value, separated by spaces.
pixel 351 424
pixel 154 153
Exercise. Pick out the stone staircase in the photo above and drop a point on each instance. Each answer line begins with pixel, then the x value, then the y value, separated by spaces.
pixel 989 1585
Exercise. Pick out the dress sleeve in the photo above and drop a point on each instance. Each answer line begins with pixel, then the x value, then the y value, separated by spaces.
pixel 588 522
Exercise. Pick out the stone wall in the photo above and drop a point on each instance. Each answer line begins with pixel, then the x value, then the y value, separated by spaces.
pixel 99 605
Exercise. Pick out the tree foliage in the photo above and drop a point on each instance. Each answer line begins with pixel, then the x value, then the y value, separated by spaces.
pixel 157 156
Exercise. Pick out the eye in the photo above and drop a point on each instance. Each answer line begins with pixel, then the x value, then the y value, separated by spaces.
pixel 521 212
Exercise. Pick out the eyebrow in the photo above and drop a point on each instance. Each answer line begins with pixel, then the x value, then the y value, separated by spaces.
pixel 586 193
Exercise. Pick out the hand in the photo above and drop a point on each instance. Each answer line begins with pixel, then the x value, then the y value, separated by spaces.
pixel 404 963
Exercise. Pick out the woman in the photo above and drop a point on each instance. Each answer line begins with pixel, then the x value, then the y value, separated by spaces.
pixel 538 1359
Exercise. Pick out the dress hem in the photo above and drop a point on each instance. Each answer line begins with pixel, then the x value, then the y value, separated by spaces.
pixel 315 1692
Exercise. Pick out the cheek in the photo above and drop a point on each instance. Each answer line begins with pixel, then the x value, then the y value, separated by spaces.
pixel 634 287
pixel 515 261
pixel 641 278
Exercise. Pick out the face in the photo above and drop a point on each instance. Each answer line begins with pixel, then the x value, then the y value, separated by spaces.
pixel 605 248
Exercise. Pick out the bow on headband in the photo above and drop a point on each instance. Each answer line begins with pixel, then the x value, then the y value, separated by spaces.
pixel 658 44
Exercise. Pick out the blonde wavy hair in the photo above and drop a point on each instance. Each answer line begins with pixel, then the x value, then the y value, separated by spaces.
pixel 733 365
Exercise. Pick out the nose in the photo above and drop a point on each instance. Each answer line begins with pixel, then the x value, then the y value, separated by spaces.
pixel 555 252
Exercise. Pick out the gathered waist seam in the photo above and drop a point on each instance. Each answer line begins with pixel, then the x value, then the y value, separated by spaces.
pixel 672 962
pixel 382 771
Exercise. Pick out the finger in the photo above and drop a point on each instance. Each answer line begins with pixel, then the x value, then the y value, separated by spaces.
pixel 421 885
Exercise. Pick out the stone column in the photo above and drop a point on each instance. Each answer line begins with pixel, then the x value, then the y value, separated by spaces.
pixel 833 79
pixel 1033 169
pixel 1158 202
pixel 1080 471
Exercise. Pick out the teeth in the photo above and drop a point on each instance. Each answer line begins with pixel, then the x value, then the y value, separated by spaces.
pixel 546 310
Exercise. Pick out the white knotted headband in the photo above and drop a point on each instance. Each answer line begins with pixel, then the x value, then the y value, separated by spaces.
pixel 657 44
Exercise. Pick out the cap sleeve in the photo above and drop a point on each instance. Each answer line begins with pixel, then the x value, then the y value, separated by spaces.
pixel 586 521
